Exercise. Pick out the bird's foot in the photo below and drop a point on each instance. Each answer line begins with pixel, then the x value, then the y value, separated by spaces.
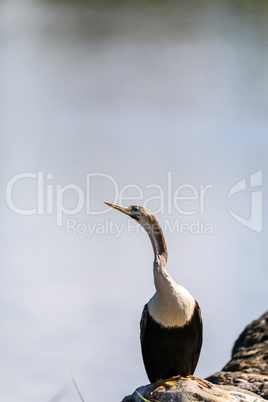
pixel 167 382
pixel 204 383
pixel 170 382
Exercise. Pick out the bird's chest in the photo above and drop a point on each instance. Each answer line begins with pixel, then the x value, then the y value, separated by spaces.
pixel 172 310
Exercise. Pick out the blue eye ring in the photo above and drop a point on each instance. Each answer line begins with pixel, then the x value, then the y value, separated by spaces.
pixel 134 209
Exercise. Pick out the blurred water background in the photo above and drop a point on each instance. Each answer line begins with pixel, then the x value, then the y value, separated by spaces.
pixel 156 95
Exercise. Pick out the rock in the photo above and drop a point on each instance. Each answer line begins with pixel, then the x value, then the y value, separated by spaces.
pixel 248 367
pixel 250 351
pixel 186 390
pixel 254 382
pixel 243 379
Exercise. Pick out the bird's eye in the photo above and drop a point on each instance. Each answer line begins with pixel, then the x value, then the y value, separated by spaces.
pixel 134 209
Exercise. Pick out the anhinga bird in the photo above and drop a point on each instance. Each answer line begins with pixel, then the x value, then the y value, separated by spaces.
pixel 171 323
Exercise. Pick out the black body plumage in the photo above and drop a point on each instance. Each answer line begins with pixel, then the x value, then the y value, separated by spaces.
pixel 168 352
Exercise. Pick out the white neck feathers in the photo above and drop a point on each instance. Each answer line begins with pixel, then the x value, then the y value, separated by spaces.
pixel 172 305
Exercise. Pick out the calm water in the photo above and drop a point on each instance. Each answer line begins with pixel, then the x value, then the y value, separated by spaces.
pixel 159 102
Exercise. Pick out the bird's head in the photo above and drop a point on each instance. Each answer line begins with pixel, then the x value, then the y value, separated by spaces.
pixel 140 214
pixel 147 220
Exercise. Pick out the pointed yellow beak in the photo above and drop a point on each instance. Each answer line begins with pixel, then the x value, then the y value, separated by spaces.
pixel 119 208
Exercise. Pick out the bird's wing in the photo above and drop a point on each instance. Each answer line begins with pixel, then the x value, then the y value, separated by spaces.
pixel 199 324
pixel 143 320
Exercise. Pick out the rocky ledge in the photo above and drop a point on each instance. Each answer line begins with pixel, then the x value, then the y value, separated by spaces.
pixel 243 378
pixel 248 367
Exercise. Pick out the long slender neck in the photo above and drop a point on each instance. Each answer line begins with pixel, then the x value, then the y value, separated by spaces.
pixel 171 305
pixel 159 245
